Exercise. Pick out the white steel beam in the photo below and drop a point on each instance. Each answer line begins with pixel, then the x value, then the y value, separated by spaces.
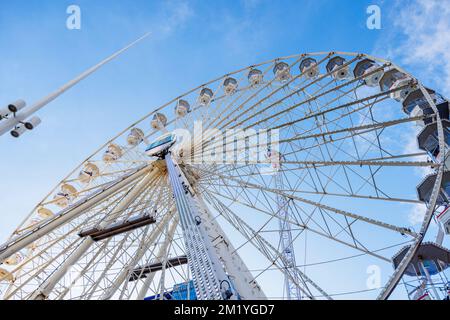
pixel 45 289
pixel 243 280
pixel 146 243
pixel 65 216
pixel 161 254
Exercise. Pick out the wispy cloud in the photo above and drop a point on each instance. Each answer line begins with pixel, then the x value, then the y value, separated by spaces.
pixel 176 14
pixel 250 4
pixel 417 214
pixel 421 29
pixel 417 36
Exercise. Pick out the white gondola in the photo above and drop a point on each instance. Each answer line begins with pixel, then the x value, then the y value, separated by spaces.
pixel 45 213
pixel 429 141
pixel 113 153
pixel 425 189
pixel 135 137
pixel 431 260
pixel 89 172
pixel 336 67
pixel 282 71
pixel 416 101
pixel 255 77
pixel 369 67
pixel 394 79
pixel 416 104
pixel 65 196
pixel 230 86
pixel 61 200
pixel 401 95
pixel 309 68
pixel 183 108
pixel 6 276
pixel 159 121
pixel 206 96
pixel 14 260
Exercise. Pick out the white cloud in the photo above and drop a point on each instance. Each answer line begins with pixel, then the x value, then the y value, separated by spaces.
pixel 417 36
pixel 417 214
pixel 422 28
pixel 176 14
pixel 251 4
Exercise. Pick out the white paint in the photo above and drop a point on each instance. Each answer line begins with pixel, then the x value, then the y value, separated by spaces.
pixel 73 22
pixel 374 19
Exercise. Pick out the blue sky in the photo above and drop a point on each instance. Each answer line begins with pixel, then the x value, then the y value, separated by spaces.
pixel 191 43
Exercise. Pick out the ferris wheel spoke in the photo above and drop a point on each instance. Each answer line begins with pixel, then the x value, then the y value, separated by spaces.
pixel 90 290
pixel 251 236
pixel 333 141
pixel 89 277
pixel 271 253
pixel 273 92
pixel 314 98
pixel 361 163
pixel 112 259
pixel 370 99
pixel 223 114
pixel 356 196
pixel 46 288
pixel 82 192
pixel 219 111
pixel 105 174
pixel 18 243
pixel 83 272
pixel 163 256
pixel 320 113
pixel 350 193
pixel 130 244
pixel 156 208
pixel 165 266
pixel 146 242
pixel 31 275
pixel 39 263
pixel 314 189
pixel 304 226
pixel 242 184
pixel 268 97
pixel 356 130
pixel 293 106
pixel 88 265
pixel 259 91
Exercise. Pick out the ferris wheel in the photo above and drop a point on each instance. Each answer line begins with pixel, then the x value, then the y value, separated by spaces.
pixel 180 206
